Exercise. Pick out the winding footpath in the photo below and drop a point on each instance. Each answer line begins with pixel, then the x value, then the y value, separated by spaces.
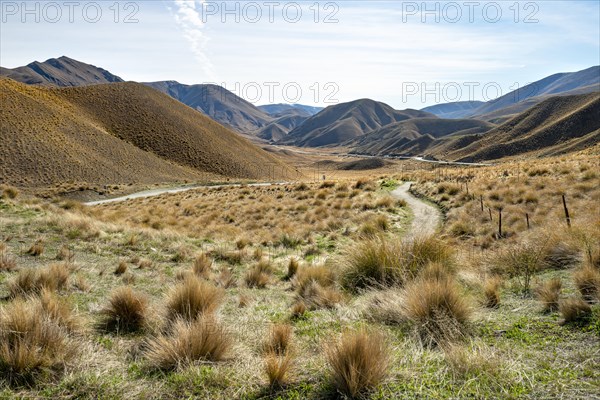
pixel 426 218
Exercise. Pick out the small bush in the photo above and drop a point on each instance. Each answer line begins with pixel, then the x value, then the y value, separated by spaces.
pixel 549 293
pixel 358 362
pixel 522 261
pixel 125 312
pixel 587 281
pixel 190 341
pixel 437 309
pixel 192 298
pixel 574 311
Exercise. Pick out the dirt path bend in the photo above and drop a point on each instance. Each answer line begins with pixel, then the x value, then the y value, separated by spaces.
pixel 427 218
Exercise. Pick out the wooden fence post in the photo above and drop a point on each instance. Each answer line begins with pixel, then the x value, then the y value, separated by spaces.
pixel 500 222
pixel 527 217
pixel 566 211
pixel 490 210
pixel 481 201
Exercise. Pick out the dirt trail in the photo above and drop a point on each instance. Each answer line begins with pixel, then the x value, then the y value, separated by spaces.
pixel 426 219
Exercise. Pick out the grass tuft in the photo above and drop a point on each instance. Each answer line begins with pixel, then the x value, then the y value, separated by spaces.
pixel 358 362
pixel 192 298
pixel 125 312
pixel 549 292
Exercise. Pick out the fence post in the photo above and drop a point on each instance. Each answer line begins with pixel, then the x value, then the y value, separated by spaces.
pixel 481 201
pixel 566 211
pixel 490 210
pixel 527 217
pixel 500 222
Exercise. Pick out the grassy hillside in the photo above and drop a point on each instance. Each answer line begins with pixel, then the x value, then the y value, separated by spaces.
pixel 342 122
pixel 121 133
pixel 553 123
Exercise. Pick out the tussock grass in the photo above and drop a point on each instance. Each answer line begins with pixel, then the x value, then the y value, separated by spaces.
pixel 202 266
pixel 549 293
pixel 491 291
pixel 121 268
pixel 192 298
pixel 437 310
pixel 587 281
pixel 574 310
pixel 384 263
pixel 277 369
pixel 32 280
pixel 36 249
pixel 358 362
pixel 203 339
pixel 292 269
pixel 59 311
pixel 126 311
pixel 33 345
pixel 280 339
pixel 298 309
pixel 7 263
pixel 314 296
pixel 259 276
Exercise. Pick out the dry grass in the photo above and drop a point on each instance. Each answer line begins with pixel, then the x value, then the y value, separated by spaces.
pixel 126 311
pixel 359 361
pixel 36 249
pixel 574 310
pixel 491 291
pixel 202 266
pixel 383 263
pixel 59 311
pixel 33 345
pixel 437 309
pixel 259 276
pixel 587 281
pixel 121 268
pixel 201 339
pixel 292 269
pixel 549 293
pixel 7 263
pixel 192 298
pixel 280 339
pixel 32 280
pixel 314 296
pixel 298 309
pixel 277 369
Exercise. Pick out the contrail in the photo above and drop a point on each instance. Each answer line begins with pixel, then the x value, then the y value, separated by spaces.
pixel 188 16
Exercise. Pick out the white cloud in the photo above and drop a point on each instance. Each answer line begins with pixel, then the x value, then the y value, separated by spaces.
pixel 188 16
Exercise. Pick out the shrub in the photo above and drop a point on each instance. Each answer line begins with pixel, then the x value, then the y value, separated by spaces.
pixel 437 309
pixel 32 344
pixel 358 362
pixel 125 312
pixel 574 310
pixel 201 339
pixel 522 261
pixel 192 298
pixel 548 293
pixel 277 369
pixel 587 281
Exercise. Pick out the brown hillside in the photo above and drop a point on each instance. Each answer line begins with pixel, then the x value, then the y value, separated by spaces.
pixel 559 124
pixel 116 133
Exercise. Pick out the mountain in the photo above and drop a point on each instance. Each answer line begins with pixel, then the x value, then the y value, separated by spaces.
pixel 413 136
pixel 61 71
pixel 342 122
pixel 511 104
pixel 279 110
pixel 459 109
pixel 218 103
pixel 556 125
pixel 279 129
pixel 116 133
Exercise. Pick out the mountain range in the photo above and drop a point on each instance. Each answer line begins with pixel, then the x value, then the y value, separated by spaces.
pixel 164 125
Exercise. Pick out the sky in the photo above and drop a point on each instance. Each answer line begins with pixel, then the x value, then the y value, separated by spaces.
pixel 404 53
